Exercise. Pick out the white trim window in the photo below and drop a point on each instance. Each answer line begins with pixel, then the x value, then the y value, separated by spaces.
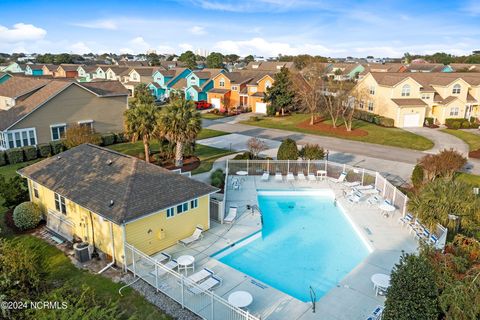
pixel 268 84
pixel 406 91
pixel 361 104
pixel 221 83
pixel 20 138
pixel 370 106
pixel 86 123
pixel 181 208
pixel 194 204
pixel 372 90
pixel 3 141
pixel 35 190
pixel 456 89
pixel 60 204
pixel 170 212
pixel 454 111
pixel 253 89
pixel 234 88
pixel 58 131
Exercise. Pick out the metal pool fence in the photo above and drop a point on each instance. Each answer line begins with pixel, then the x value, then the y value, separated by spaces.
pixel 175 285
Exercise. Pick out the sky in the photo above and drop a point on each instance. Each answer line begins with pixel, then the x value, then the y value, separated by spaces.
pixel 340 28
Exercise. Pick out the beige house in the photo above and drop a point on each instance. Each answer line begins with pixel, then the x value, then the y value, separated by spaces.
pixel 408 98
pixel 136 76
pixel 34 111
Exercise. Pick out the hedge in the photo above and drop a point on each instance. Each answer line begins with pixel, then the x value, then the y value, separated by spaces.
pixel 121 137
pixel 30 153
pixel 44 150
pixel 3 159
pixel 57 147
pixel 15 155
pixel 460 123
pixel 373 118
pixel 429 121
pixel 108 139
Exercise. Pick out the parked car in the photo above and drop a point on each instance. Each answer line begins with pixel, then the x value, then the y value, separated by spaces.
pixel 202 105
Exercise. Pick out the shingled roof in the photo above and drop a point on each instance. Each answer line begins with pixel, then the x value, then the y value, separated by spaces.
pixel 95 177
pixel 17 87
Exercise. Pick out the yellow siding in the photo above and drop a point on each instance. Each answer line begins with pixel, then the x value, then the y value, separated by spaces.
pixel 155 232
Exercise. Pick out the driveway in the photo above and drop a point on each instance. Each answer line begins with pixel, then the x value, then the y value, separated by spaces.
pixel 442 140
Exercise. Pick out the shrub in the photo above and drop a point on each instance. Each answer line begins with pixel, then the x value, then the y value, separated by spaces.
pixel 57 147
pixel 254 118
pixel 386 122
pixel 30 153
pixel 108 139
pixel 15 155
pixel 27 215
pixel 44 150
pixel 217 178
pixel 373 118
pixel 13 191
pixel 312 152
pixel 271 111
pixel 465 124
pixel 456 125
pixel 243 156
pixel 121 137
pixel 429 121
pixel 443 164
pixel 417 176
pixel 288 150
pixel 77 135
pixel 3 159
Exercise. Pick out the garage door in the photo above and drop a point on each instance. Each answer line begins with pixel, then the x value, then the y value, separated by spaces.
pixel 215 102
pixel 411 120
pixel 60 225
pixel 261 107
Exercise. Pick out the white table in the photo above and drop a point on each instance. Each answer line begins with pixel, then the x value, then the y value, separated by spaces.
pixel 186 262
pixel 380 282
pixel 240 299
pixel 242 173
pixel 322 174
pixel 386 208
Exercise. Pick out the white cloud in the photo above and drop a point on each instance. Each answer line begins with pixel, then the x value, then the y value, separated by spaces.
pixel 263 47
pixel 185 46
pixel 197 30
pixel 259 5
pixel 21 32
pixel 106 24
pixel 80 48
pixel 165 49
pixel 140 45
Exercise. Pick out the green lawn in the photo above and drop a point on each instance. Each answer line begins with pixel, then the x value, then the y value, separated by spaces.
pixel 376 134
pixel 212 116
pixel 468 178
pixel 472 139
pixel 210 133
pixel 59 270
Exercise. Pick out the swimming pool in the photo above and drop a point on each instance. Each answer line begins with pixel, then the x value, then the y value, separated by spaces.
pixel 306 240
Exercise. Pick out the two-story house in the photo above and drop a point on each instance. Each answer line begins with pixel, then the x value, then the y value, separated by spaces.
pixel 408 98
pixel 116 73
pixel 199 83
pixel 344 71
pixel 85 73
pixel 34 111
pixel 13 67
pixel 138 75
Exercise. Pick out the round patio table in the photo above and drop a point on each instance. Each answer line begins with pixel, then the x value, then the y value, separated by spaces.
pixel 240 299
pixel 186 262
pixel 380 282
pixel 386 208
pixel 242 173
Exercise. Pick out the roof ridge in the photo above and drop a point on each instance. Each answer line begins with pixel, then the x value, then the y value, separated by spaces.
pixel 133 170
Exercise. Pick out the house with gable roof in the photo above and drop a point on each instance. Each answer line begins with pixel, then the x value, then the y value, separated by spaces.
pixel 199 83
pixel 34 70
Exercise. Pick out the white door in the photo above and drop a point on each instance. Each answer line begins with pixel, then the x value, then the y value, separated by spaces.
pixel 411 120
pixel 215 102
pixel 261 107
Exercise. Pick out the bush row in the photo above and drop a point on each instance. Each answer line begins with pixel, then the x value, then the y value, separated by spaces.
pixel 373 118
pixel 459 123
pixel 43 150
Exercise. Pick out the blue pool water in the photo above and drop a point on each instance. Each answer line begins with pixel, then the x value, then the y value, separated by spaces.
pixel 306 241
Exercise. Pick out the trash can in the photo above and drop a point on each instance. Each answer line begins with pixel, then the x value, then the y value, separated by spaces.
pixel 82 253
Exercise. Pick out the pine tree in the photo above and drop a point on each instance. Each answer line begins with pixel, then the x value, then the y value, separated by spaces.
pixel 281 94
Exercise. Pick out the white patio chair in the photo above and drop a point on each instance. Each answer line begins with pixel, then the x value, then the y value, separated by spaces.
pixel 290 176
pixel 206 285
pixel 170 265
pixel 201 275
pixel 278 177
pixel 301 176
pixel 311 177
pixel 265 176
pixel 197 234
pixel 340 178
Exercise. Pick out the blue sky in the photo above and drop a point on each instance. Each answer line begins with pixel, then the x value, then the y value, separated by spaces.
pixel 263 27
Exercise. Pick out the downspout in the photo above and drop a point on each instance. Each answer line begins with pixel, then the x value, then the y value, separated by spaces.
pixel 113 251
pixel 93 230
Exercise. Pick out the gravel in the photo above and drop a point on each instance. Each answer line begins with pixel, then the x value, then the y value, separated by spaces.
pixel 163 302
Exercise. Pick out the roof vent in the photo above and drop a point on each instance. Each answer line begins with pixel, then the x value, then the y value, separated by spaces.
pixel 111 203
pixel 58 157
pixel 109 162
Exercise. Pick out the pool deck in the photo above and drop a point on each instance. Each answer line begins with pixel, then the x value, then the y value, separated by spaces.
pixel 352 298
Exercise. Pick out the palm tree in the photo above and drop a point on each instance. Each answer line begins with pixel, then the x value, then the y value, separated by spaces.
pixel 180 123
pixel 140 123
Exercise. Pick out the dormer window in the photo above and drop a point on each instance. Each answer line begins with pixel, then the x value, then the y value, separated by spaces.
pixel 406 91
pixel 268 84
pixel 221 83
pixel 456 89
pixel 372 90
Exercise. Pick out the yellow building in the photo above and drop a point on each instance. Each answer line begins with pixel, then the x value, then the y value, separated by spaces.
pixel 243 88
pixel 408 98
pixel 106 198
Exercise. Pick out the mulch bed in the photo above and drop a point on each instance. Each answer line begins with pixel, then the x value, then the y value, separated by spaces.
pixel 189 164
pixel 474 154
pixel 319 125
pixel 11 225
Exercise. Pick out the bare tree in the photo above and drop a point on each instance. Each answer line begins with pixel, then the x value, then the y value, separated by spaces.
pixel 355 98
pixel 255 146
pixel 309 87
pixel 335 100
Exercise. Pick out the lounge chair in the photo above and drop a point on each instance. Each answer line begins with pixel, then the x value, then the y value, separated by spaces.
pixel 162 256
pixel 374 199
pixel 361 188
pixel 232 214
pixel 170 265
pixel 201 275
pixel 278 177
pixel 311 177
pixel 197 234
pixel 406 220
pixel 351 184
pixel 356 197
pixel 377 313
pixel 340 178
pixel 432 240
pixel 369 191
pixel 290 177
pixel 301 176
pixel 206 285
pixel 265 176
pixel 423 234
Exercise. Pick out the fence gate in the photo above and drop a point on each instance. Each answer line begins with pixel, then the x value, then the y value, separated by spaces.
pixel 216 210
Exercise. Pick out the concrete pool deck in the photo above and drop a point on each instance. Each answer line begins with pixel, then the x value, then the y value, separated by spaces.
pixel 352 298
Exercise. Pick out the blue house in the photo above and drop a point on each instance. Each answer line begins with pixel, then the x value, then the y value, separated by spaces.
pixel 34 70
pixel 163 78
pixel 198 83
pixel 178 82
pixel 4 77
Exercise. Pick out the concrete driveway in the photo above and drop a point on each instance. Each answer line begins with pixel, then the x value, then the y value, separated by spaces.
pixel 442 140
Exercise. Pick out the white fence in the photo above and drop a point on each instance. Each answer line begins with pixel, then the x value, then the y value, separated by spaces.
pixel 364 176
pixel 205 304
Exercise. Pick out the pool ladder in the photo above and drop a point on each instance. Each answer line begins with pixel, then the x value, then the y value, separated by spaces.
pixel 313 297
pixel 256 207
